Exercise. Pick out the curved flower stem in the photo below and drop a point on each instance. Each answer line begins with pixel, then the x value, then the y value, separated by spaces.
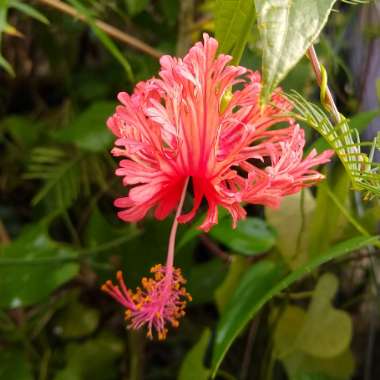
pixel 326 95
pixel 173 231
pixel 109 29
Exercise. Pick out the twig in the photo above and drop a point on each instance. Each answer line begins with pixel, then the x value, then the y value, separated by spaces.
pixel 4 236
pixel 109 29
pixel 214 248
pixel 248 349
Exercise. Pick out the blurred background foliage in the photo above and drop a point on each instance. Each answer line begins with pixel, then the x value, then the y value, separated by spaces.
pixel 257 312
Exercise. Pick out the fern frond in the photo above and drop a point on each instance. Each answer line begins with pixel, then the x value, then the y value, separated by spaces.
pixel 362 170
pixel 65 175
pixel 60 173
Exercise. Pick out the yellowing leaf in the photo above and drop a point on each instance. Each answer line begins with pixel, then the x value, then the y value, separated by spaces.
pixel 327 331
pixel 292 221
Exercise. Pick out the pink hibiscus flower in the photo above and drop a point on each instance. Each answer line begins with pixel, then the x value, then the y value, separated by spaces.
pixel 202 121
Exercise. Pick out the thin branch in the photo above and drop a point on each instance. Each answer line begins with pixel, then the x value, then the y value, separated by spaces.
pixel 214 248
pixel 4 236
pixel 109 29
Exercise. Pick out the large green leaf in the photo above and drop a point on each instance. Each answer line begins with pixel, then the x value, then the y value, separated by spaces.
pixel 192 366
pixel 259 285
pixel 247 300
pixel 250 237
pixel 31 279
pixel 233 22
pixel 287 29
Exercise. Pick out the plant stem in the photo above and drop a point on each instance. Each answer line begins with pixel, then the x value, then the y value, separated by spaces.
pixel 109 29
pixel 328 98
pixel 173 231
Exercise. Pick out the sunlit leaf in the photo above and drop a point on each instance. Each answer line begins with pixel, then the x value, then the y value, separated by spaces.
pixel 287 29
pixel 326 331
pixel 29 11
pixel 234 20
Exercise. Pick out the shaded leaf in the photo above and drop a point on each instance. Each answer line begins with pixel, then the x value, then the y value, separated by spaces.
pixel 88 131
pixel 76 321
pixel 27 279
pixel 204 279
pixel 14 365
pixel 251 236
pixel 92 360
pixel 136 6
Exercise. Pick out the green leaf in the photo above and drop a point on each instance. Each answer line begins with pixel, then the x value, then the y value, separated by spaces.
pixel 225 291
pixel 292 241
pixel 204 279
pixel 76 321
pixel 23 130
pixel 136 6
pixel 298 364
pixel 234 20
pixel 247 300
pixel 7 66
pixel 28 280
pixel 326 331
pixel 287 29
pixel 378 89
pixel 251 236
pixel 14 365
pixel 359 122
pixel 93 360
pixel 259 285
pixel 61 172
pixel 192 366
pixel 362 170
pixel 328 220
pixel 88 131
pixel 28 10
